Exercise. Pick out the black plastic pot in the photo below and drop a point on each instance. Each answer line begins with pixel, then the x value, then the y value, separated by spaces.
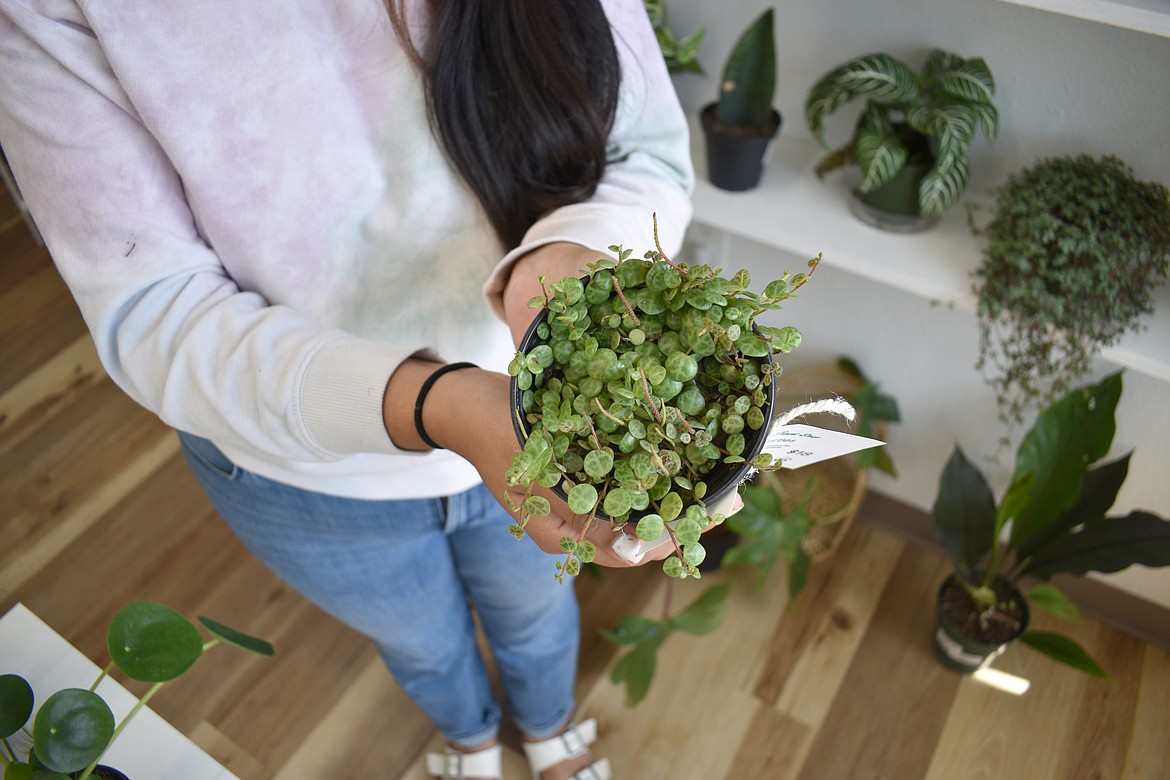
pixel 103 772
pixel 722 480
pixel 735 155
pixel 960 652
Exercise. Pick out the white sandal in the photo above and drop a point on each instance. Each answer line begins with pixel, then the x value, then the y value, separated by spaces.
pixel 571 743
pixel 453 765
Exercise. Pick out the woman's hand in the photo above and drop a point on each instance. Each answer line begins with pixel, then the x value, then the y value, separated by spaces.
pixel 552 261
pixel 469 412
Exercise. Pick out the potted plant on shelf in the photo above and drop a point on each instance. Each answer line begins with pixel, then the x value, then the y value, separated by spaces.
pixel 1074 247
pixel 680 54
pixel 642 393
pixel 1052 519
pixel 911 141
pixel 741 123
pixel 74 727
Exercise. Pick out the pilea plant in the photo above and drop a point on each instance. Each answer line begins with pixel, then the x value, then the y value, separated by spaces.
pixel 634 384
pixel 74 727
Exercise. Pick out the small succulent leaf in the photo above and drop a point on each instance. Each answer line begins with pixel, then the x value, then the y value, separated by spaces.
pixel 1066 651
pixel 636 670
pixel 1099 491
pixel 16 704
pixel 1065 439
pixel 151 642
pixel 1053 600
pixel 72 729
pixel 537 506
pixel 964 511
pixel 582 498
pixel 880 157
pixel 705 613
pixel 1107 546
pixel 878 75
pixel 237 638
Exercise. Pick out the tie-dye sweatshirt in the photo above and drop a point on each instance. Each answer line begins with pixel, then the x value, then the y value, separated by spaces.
pixel 258 226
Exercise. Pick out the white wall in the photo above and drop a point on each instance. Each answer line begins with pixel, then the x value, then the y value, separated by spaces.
pixel 1064 86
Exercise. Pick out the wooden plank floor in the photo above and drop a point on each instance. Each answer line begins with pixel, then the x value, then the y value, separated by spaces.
pixel 97 509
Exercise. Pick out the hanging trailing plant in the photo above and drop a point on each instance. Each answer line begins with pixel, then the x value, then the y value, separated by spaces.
pixel 1075 247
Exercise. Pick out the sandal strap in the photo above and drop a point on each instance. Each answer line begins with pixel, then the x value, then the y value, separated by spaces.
pixel 598 770
pixel 453 765
pixel 572 742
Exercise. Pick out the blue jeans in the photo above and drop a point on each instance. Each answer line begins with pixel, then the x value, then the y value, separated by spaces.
pixel 407 574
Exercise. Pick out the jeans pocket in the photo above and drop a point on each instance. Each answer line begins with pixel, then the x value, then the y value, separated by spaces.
pixel 205 456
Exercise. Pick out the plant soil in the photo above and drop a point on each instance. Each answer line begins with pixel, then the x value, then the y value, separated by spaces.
pixel 961 610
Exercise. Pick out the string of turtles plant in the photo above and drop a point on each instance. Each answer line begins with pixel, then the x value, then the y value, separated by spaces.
pixel 644 376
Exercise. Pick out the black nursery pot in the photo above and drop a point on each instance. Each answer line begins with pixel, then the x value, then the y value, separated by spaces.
pixel 722 480
pixel 735 156
pixel 103 772
pixel 961 653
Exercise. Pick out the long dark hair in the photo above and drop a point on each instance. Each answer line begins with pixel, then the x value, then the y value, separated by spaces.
pixel 521 95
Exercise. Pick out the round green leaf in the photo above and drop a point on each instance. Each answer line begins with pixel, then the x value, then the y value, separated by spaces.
pixel 694 554
pixel 151 642
pixel 673 567
pixel 598 463
pixel 72 728
pixel 237 638
pixel 687 531
pixel 671 506
pixel 582 498
pixel 537 506
pixel 16 704
pixel 650 527
pixel 618 502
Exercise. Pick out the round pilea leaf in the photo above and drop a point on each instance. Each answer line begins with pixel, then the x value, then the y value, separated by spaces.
pixel 153 643
pixel 16 704
pixel 673 567
pixel 618 502
pixel 681 367
pixel 586 552
pixel 598 463
pixel 72 728
pixel 694 554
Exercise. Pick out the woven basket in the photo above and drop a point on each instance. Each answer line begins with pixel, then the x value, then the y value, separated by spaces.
pixel 837 485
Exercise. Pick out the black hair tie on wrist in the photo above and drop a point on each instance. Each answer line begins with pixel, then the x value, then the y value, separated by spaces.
pixel 422 397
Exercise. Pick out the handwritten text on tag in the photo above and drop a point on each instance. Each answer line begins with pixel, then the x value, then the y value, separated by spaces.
pixel 802 445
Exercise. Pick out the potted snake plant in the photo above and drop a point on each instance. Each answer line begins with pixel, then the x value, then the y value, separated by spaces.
pixel 912 138
pixel 741 123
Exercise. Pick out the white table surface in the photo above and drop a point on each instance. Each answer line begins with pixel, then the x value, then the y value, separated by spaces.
pixel 149 748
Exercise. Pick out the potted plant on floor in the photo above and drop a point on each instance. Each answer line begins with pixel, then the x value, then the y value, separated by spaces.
pixel 740 125
pixel 74 727
pixel 1074 248
pixel 912 139
pixel 642 394
pixel 1052 519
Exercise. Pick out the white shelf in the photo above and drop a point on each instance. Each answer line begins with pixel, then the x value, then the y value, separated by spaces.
pixel 1148 16
pixel 794 211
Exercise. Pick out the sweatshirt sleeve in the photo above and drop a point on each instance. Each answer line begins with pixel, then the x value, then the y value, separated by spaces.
pixel 649 168
pixel 173 329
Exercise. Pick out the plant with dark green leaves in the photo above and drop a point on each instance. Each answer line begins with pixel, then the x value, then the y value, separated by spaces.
pixel 680 53
pixel 74 727
pixel 768 533
pixel 644 636
pixel 749 78
pixel 1075 245
pixel 641 382
pixel 1052 519
pixel 949 100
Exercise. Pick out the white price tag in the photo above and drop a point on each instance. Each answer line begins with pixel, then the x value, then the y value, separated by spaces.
pixel 801 445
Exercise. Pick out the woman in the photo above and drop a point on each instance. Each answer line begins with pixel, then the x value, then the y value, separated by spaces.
pixel 288 226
